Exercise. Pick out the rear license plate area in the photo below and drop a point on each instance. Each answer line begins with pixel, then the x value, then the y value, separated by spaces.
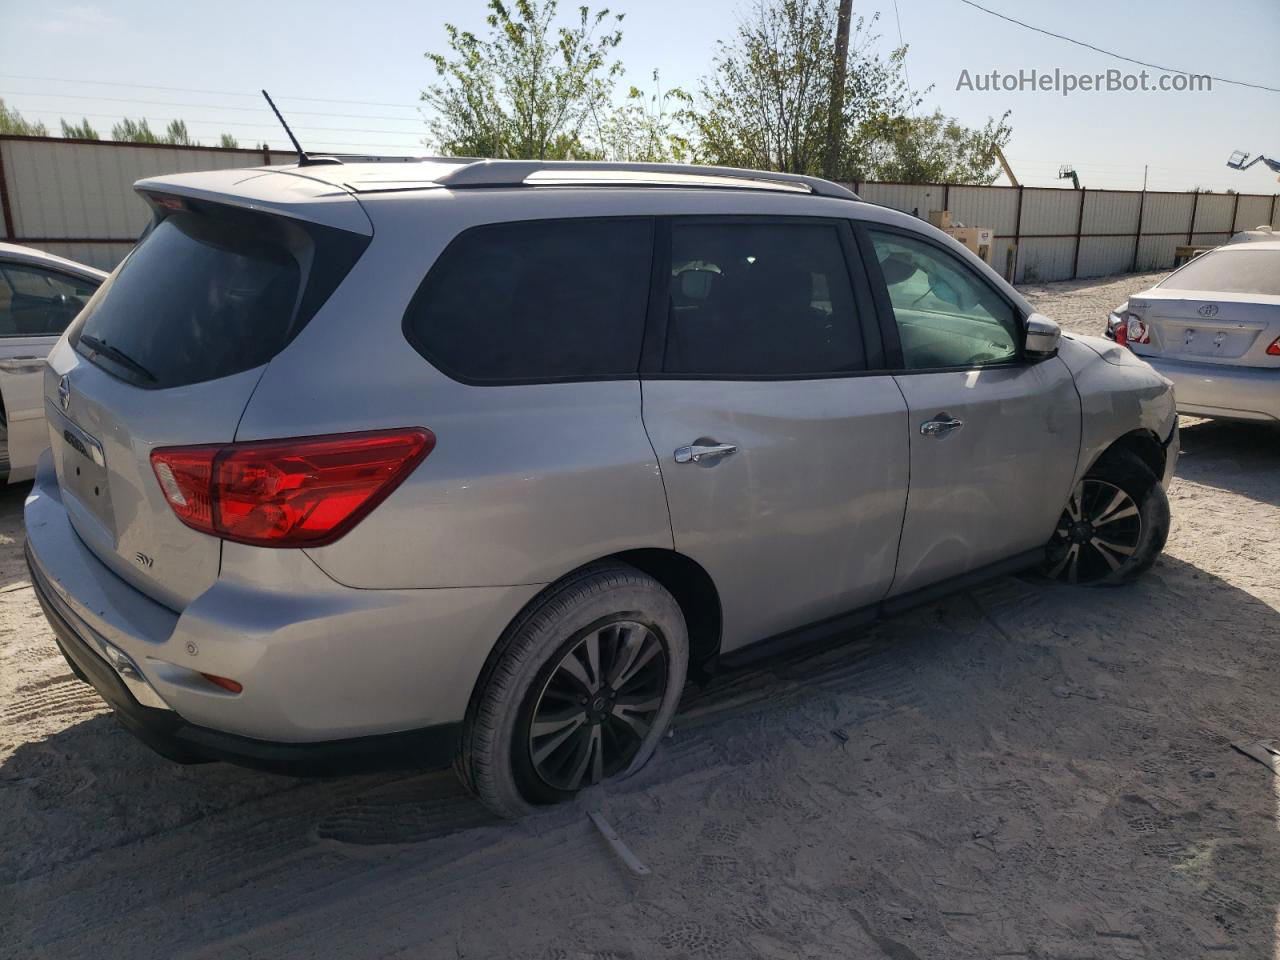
pixel 83 472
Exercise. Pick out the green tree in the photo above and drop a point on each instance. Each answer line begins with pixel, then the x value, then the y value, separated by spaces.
pixel 228 142
pixel 79 131
pixel 528 88
pixel 937 149
pixel 767 104
pixel 767 100
pixel 11 121
pixel 644 129
pixel 139 131
pixel 176 133
pixel 131 131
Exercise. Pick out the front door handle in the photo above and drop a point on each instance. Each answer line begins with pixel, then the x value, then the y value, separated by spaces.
pixel 697 453
pixel 941 426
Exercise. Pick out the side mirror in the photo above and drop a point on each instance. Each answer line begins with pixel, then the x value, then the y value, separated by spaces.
pixel 1042 337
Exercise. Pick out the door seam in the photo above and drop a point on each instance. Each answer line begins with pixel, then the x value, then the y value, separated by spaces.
pixel 906 500
pixel 662 477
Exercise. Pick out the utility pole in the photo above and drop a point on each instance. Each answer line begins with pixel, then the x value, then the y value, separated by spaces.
pixel 1008 170
pixel 1144 178
pixel 835 118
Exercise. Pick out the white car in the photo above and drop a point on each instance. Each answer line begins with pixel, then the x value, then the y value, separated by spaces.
pixel 39 295
pixel 1213 328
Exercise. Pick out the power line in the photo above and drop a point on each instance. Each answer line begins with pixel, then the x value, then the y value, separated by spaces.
pixel 245 123
pixel 1118 56
pixel 204 106
pixel 222 93
pixel 911 106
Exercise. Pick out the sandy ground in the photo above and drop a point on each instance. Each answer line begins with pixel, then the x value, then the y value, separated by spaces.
pixel 1019 771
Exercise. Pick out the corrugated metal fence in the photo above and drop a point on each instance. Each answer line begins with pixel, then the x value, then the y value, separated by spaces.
pixel 75 198
pixel 1060 233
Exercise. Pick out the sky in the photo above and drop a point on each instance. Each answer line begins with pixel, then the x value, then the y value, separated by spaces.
pixel 348 76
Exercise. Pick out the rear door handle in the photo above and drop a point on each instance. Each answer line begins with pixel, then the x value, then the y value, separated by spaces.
pixel 22 364
pixel 696 453
pixel 941 426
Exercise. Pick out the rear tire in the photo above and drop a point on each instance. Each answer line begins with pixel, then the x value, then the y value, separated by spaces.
pixel 580 689
pixel 1114 526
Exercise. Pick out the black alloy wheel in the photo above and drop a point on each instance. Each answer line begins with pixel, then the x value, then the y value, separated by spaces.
pixel 598 705
pixel 1098 532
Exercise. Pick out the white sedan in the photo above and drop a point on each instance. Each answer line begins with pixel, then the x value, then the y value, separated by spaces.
pixel 1213 328
pixel 39 295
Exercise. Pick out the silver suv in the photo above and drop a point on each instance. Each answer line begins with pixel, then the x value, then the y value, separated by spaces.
pixel 361 461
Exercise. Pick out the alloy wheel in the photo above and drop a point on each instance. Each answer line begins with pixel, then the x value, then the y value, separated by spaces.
pixel 598 705
pixel 1099 530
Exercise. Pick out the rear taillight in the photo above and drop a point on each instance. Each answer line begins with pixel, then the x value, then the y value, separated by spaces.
pixel 1132 330
pixel 302 492
pixel 1274 349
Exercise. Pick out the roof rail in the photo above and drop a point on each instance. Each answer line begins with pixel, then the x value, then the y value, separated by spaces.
pixel 386 158
pixel 517 173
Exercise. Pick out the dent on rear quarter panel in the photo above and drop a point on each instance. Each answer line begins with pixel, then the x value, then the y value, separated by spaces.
pixel 1115 398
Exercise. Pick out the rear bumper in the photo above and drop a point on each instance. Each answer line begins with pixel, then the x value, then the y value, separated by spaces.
pixel 333 678
pixel 1219 390
pixel 168 734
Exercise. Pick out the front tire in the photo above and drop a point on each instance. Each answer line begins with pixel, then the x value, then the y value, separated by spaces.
pixel 580 689
pixel 1114 526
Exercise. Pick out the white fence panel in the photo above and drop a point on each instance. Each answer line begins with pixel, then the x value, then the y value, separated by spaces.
pixel 1253 212
pixel 1104 256
pixel 1045 258
pixel 1214 213
pixel 1111 212
pixel 1156 253
pixel 1047 211
pixel 994 207
pixel 1167 213
pixel 76 198
pixel 1001 260
pixel 83 190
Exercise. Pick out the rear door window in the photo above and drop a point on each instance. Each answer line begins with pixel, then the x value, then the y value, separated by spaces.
pixel 211 291
pixel 760 299
pixel 536 301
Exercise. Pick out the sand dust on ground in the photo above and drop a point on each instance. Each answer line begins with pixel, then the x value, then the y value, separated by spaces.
pixel 1017 771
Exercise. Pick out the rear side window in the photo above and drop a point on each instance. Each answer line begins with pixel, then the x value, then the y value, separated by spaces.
pixel 760 299
pixel 536 301
pixel 1228 270
pixel 211 291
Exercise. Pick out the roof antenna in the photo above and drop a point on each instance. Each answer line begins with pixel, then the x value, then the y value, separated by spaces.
pixel 303 159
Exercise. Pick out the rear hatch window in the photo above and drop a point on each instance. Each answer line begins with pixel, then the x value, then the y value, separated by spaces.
pixel 210 291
